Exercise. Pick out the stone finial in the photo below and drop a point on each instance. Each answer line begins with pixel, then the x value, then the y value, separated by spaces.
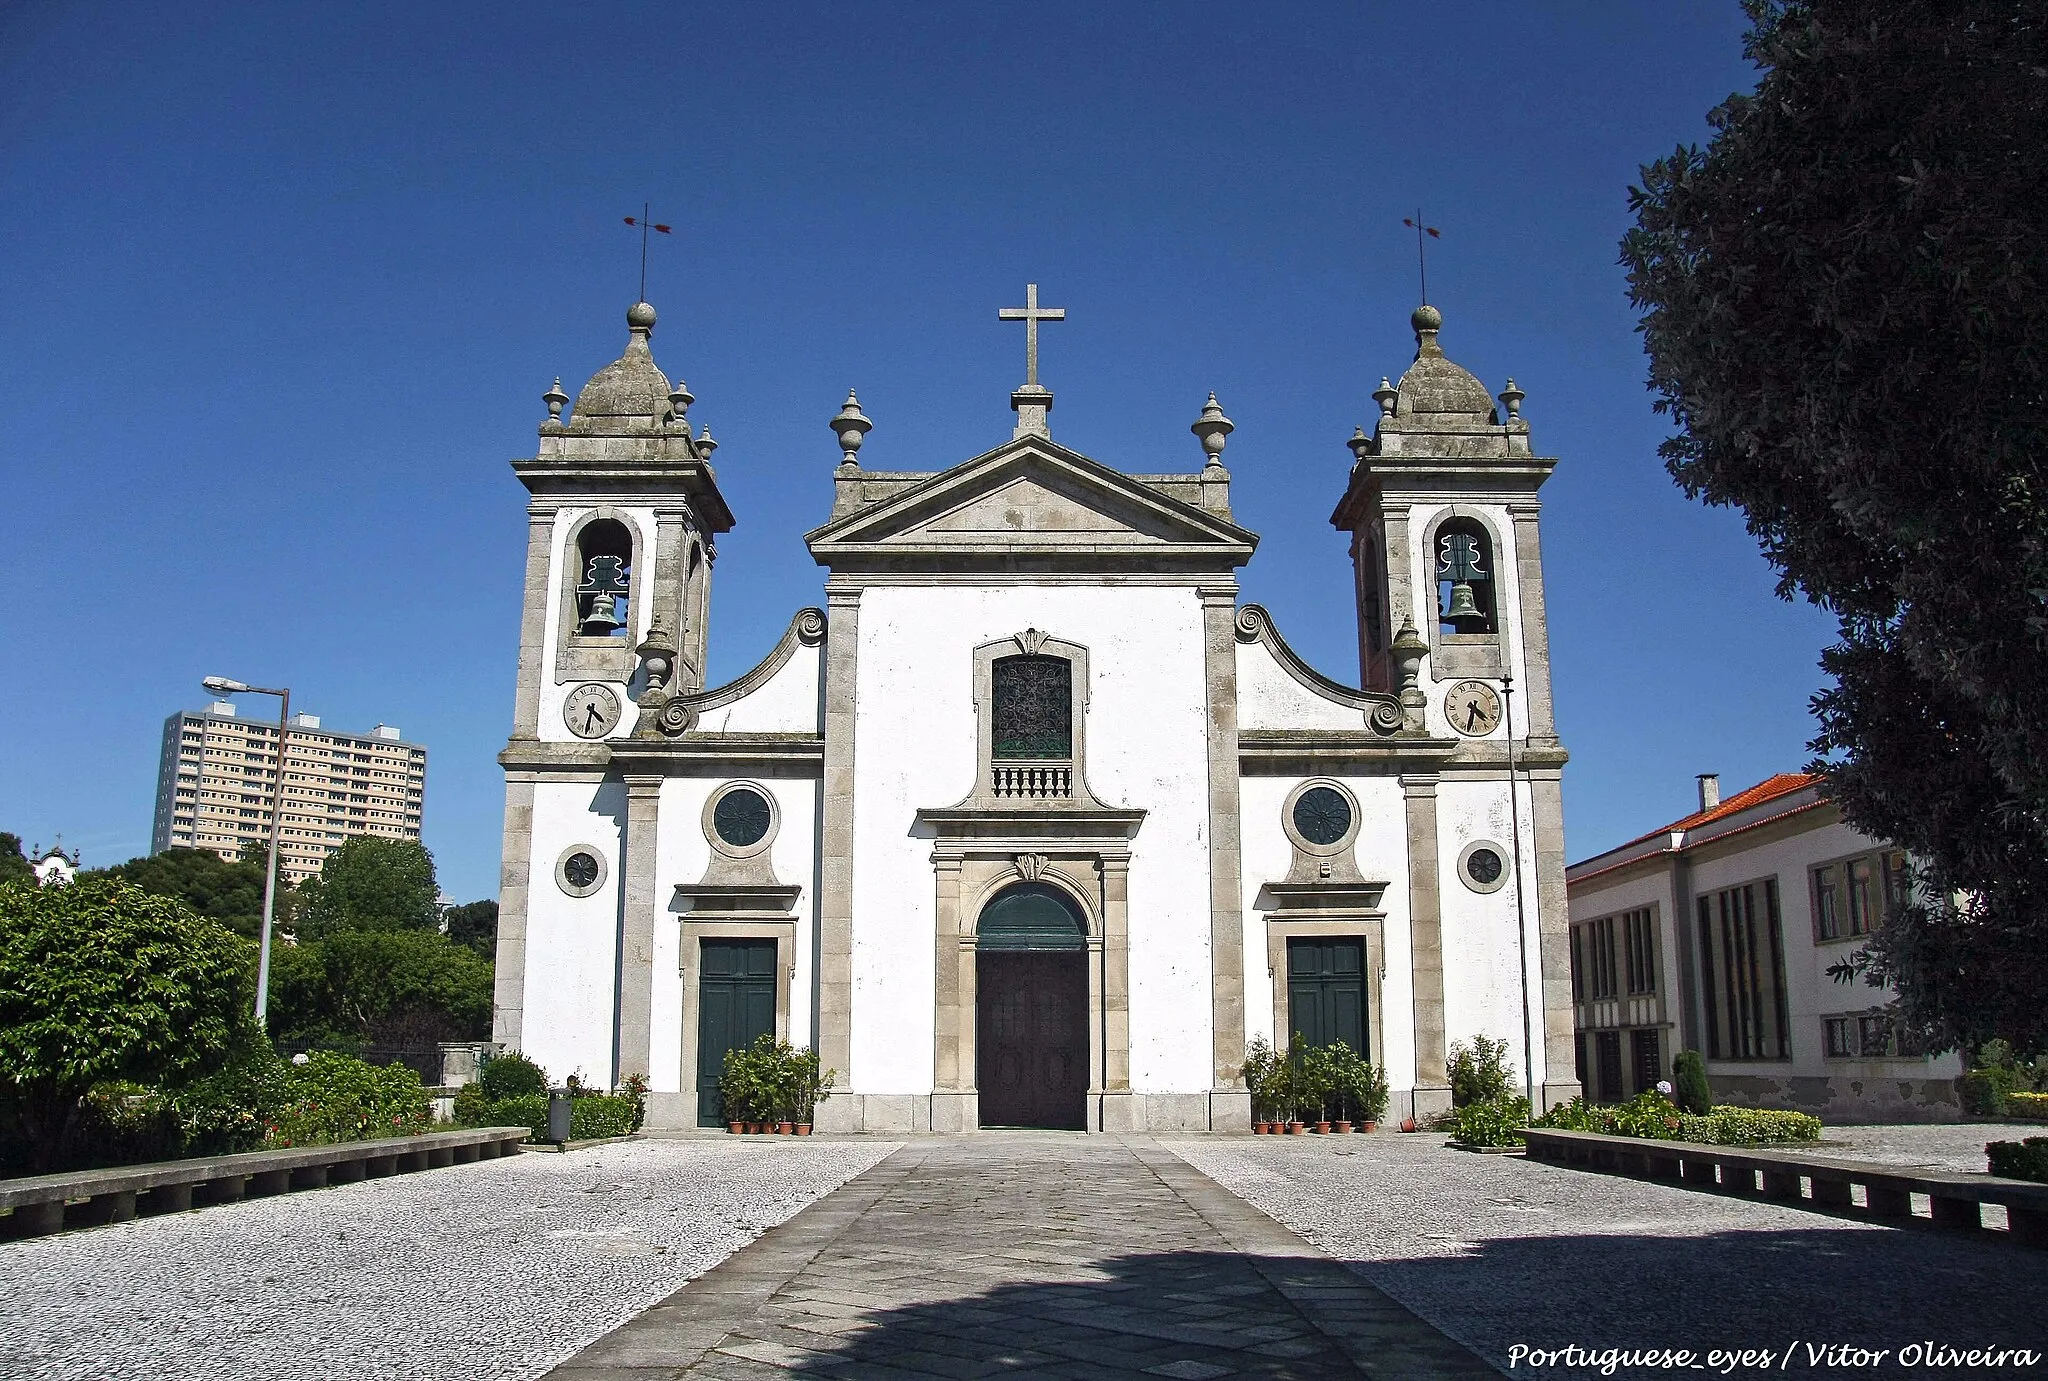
pixel 556 400
pixel 1386 395
pixel 1409 649
pixel 705 445
pixel 680 399
pixel 657 654
pixel 1214 429
pixel 1360 444
pixel 851 425
pixel 1511 399
pixel 1427 321
pixel 640 317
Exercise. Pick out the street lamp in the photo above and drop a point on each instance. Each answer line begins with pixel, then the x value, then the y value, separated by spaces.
pixel 221 685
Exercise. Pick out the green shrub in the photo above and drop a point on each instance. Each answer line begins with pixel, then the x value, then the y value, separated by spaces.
pixel 2026 1159
pixel 773 1081
pixel 2033 1105
pixel 1691 1091
pixel 333 1098
pixel 1648 1114
pixel 529 1111
pixel 1984 1092
pixel 1361 1085
pixel 231 1109
pixel 1311 1079
pixel 1490 1121
pixel 1480 1072
pixel 511 1075
pixel 1727 1126
pixel 600 1115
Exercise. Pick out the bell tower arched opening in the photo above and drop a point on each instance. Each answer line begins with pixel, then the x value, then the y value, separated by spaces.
pixel 1031 1009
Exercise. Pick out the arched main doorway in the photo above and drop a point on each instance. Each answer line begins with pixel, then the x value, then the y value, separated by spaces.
pixel 1031 1009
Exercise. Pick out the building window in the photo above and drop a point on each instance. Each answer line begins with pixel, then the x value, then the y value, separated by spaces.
pixel 1648 1051
pixel 1607 1065
pixel 604 575
pixel 1742 973
pixel 1034 708
pixel 1856 883
pixel 1642 952
pixel 1827 909
pixel 1602 938
pixel 1835 1037
pixel 1579 982
pixel 1852 896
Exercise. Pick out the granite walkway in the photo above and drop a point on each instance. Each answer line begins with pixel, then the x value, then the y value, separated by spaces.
pixel 1027 1255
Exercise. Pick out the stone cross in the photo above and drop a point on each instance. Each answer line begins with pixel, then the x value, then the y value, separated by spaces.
pixel 1031 314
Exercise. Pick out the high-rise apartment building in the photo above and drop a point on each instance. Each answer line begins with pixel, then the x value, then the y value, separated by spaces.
pixel 214 785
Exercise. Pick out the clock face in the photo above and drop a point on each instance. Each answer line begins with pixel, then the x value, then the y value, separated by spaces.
pixel 591 711
pixel 1473 707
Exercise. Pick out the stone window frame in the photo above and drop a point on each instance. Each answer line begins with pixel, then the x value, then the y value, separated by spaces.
pixel 1507 866
pixel 736 852
pixel 1300 841
pixel 578 657
pixel 1454 655
pixel 1029 643
pixel 604 870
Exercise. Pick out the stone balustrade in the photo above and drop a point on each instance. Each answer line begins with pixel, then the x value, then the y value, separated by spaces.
pixel 85 1198
pixel 1038 781
pixel 1954 1200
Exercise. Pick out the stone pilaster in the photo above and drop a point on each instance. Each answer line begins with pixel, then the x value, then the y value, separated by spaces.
pixel 952 1024
pixel 835 859
pixel 1425 942
pixel 1226 890
pixel 515 871
pixel 1542 725
pixel 634 1039
pixel 1553 928
pixel 533 624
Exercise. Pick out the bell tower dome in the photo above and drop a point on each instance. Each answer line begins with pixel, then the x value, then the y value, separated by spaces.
pixel 622 531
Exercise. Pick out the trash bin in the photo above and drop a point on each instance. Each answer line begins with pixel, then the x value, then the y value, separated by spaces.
pixel 559 1120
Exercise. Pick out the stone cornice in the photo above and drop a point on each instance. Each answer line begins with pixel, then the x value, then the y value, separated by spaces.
pixel 1284 752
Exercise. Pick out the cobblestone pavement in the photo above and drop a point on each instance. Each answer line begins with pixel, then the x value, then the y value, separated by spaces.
pixel 1027 1255
pixel 489 1271
pixel 1498 1250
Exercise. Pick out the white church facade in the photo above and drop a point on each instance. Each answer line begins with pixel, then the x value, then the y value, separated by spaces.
pixel 1033 822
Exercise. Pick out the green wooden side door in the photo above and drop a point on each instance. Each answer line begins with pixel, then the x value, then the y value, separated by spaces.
pixel 1326 990
pixel 735 1004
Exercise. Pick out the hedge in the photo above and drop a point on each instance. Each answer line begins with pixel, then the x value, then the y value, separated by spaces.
pixel 1654 1116
pixel 2032 1105
pixel 2020 1160
pixel 591 1116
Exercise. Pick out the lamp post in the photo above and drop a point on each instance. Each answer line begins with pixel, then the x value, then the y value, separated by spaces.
pixel 221 685
pixel 1507 689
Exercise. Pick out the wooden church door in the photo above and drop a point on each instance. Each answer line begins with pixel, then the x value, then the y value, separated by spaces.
pixel 1326 991
pixel 735 1004
pixel 1031 1011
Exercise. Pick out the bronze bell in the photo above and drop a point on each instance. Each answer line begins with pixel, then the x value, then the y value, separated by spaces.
pixel 1462 606
pixel 603 619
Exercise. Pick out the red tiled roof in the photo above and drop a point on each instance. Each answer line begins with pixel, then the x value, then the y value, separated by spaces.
pixel 1769 789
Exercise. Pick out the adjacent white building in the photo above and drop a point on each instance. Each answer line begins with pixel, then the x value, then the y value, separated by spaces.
pixel 1032 823
pixel 1716 933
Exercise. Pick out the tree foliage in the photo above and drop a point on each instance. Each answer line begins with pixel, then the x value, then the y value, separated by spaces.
pixel 102 981
pixel 1844 315
pixel 14 865
pixel 231 893
pixel 378 990
pixel 370 883
pixel 475 924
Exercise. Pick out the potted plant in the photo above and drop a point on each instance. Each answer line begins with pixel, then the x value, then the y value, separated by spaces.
pixel 1318 1067
pixel 1365 1089
pixel 1259 1062
pixel 809 1086
pixel 736 1094
pixel 1300 1090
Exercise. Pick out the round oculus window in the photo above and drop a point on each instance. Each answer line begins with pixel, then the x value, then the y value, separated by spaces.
pixel 1322 815
pixel 581 869
pixel 741 818
pixel 1483 866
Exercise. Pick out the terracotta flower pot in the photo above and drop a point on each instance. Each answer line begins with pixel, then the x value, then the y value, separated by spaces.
pixel 803 1129
pixel 785 1129
pixel 735 1127
pixel 1368 1125
pixel 1407 1124
pixel 1340 1126
pixel 1323 1128
pixel 1296 1128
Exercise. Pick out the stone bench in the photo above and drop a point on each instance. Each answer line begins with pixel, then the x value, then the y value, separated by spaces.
pixel 1954 1200
pixel 85 1198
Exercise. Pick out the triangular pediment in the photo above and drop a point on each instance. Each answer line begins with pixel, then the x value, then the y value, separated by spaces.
pixel 1037 503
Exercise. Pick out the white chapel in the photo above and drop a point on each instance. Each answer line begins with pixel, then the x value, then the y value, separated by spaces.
pixel 1032 823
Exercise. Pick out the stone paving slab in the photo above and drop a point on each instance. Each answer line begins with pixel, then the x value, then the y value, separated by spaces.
pixel 1028 1255
pixel 1499 1251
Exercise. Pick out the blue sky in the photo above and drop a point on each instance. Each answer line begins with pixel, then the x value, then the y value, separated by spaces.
pixel 285 285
